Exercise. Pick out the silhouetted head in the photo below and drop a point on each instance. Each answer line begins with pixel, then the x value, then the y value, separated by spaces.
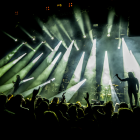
pixel 123 105
pixel 130 74
pixel 56 100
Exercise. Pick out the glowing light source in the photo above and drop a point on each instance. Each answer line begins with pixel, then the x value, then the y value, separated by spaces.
pixel 84 36
pixel 52 38
pixel 108 35
pixel 15 39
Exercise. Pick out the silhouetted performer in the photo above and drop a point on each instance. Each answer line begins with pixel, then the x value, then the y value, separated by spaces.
pixel 132 82
pixel 16 84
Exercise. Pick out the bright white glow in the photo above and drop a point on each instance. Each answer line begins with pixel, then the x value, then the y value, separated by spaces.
pixel 34 50
pixel 108 35
pixel 18 58
pixel 15 39
pixel 47 82
pixel 77 73
pixel 118 47
pixel 37 58
pixel 55 60
pixel 27 79
pixel 52 38
pixel 76 45
pixel 84 36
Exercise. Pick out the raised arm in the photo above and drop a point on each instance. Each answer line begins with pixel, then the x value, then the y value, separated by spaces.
pixel 120 78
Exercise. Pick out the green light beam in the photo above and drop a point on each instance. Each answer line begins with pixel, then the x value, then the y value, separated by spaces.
pixel 7 58
pixel 19 66
pixel 79 19
pixel 106 78
pixel 59 72
pixel 47 45
pixel 9 36
pixel 5 68
pixel 24 71
pixel 55 31
pixel 87 21
pixel 46 30
pixel 69 92
pixel 77 73
pixel 25 32
pixel 110 20
pixel 90 75
pixel 46 62
pixel 4 88
pixel 62 27
pixel 76 76
pixel 29 92
pixel 29 47
pixel 45 74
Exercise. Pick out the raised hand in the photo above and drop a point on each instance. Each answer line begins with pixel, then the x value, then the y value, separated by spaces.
pixel 35 92
pixel 87 98
pixel 63 96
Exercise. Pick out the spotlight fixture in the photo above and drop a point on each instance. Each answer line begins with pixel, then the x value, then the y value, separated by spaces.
pixel 33 38
pixel 24 43
pixel 108 35
pixel 43 41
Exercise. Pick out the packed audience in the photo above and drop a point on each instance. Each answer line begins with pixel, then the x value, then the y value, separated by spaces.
pixel 38 118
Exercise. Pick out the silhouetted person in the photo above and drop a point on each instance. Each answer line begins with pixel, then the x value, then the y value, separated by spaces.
pixel 132 82
pixel 16 84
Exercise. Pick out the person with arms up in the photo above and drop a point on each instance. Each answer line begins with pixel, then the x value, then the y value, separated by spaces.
pixel 132 82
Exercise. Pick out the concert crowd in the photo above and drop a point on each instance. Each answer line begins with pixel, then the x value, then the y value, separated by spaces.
pixel 37 118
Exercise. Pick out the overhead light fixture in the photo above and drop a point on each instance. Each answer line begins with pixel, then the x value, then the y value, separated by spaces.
pixel 108 35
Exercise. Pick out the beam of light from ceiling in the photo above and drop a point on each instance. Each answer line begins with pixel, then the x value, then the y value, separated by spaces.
pixel 110 20
pixel 47 45
pixel 55 31
pixel 59 72
pixel 29 47
pixel 10 36
pixel 26 32
pixel 5 59
pixel 78 18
